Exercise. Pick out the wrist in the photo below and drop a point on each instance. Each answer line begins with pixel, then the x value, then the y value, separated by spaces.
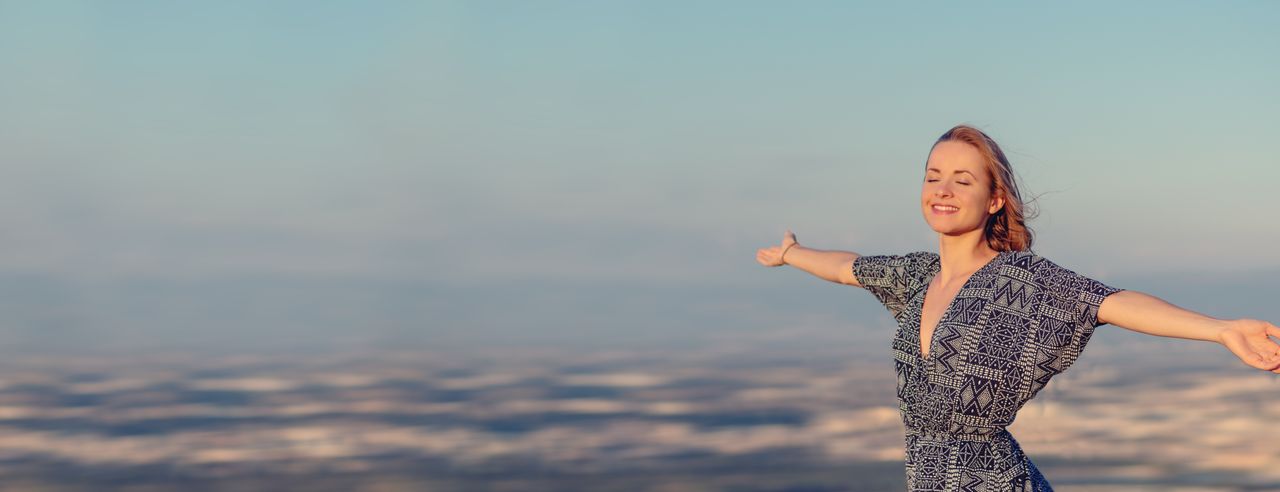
pixel 791 247
pixel 1221 328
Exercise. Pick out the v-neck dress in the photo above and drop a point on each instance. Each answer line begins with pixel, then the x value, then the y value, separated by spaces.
pixel 1016 322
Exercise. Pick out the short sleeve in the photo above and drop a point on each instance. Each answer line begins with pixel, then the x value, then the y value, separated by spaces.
pixel 1085 293
pixel 1070 310
pixel 890 278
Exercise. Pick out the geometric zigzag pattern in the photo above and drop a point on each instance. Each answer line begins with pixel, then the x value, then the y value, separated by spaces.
pixel 1015 323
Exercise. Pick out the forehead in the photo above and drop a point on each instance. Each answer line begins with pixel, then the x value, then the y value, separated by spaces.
pixel 952 156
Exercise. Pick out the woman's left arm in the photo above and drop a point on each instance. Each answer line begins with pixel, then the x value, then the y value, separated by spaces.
pixel 1143 313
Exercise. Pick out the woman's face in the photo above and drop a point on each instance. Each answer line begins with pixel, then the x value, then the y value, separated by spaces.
pixel 956 197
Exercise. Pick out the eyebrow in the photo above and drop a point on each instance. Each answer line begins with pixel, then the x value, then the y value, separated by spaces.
pixel 934 169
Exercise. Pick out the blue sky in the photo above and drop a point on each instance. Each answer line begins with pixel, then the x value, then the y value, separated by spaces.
pixel 239 174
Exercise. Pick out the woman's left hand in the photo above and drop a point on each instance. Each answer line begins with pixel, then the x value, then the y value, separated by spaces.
pixel 1248 339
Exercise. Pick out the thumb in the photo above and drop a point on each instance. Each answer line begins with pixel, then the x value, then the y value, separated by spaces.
pixel 789 236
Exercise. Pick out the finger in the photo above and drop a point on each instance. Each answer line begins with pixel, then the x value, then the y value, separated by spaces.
pixel 1256 360
pixel 1273 330
pixel 1266 346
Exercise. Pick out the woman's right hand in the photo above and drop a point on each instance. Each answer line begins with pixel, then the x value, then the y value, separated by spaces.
pixel 772 256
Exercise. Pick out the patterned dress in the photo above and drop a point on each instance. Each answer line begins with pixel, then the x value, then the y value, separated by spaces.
pixel 1018 321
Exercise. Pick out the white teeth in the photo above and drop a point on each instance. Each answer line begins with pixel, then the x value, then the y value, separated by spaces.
pixel 945 208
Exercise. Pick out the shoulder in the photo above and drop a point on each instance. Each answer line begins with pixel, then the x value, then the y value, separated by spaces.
pixel 1030 262
pixel 904 269
pixel 1048 274
pixel 919 261
pixel 922 256
pixel 921 265
pixel 911 260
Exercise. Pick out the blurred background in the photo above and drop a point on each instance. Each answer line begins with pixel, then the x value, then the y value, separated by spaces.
pixel 510 245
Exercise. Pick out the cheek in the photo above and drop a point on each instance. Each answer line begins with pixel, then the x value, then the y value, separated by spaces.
pixel 973 203
pixel 976 198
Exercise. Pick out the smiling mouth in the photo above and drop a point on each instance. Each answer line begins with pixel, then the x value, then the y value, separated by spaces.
pixel 945 209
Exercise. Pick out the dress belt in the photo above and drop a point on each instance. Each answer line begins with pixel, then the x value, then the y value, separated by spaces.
pixel 987 436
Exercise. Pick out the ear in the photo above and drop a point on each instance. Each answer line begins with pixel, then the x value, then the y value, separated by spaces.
pixel 997 203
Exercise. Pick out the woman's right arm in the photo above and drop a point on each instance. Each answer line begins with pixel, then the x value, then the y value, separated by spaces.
pixel 832 266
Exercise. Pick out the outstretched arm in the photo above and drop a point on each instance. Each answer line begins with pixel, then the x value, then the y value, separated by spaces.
pixel 1143 313
pixel 833 266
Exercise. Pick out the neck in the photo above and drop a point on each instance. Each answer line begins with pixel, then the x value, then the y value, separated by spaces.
pixel 962 255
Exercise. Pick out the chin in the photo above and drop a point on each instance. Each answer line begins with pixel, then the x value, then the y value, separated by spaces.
pixel 950 229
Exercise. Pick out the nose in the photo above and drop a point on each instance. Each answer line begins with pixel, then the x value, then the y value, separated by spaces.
pixel 942 190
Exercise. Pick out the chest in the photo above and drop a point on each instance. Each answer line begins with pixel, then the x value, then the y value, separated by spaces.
pixel 938 298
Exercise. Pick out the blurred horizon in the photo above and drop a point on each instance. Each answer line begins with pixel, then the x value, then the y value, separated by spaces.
pixel 744 416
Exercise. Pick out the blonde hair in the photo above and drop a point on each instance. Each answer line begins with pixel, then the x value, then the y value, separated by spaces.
pixel 1007 229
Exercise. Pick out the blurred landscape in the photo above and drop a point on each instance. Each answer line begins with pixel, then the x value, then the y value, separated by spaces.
pixel 731 417
pixel 508 246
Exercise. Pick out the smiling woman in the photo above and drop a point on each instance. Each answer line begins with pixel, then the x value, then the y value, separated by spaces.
pixel 985 323
pixel 986 171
